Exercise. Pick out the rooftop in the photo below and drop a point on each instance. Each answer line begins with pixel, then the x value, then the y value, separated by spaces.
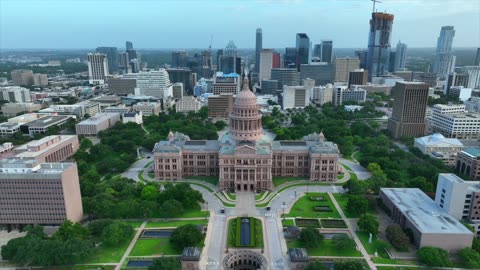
pixel 422 211
pixel 98 118
pixel 473 151
pixel 48 121
pixel 298 254
pixel 438 140
pixel 191 254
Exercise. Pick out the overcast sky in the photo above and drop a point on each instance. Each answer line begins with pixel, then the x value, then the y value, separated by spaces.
pixel 189 23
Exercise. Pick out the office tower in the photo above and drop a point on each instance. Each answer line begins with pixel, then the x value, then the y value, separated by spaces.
pixel 343 66
pixel 458 197
pixel 407 75
pixel 268 59
pixel 357 77
pixel 379 44
pixel 226 83
pixel 286 76
pixel 473 76
pixel 453 122
pixel 97 68
pixel 128 45
pixel 177 89
pixel 428 78
pixel 229 61
pixel 220 106
pixel 443 57
pixel 456 79
pixel 132 54
pixel 302 49
pixel 258 48
pixel 123 62
pixel 343 94
pixel 124 85
pixel 15 94
pixel 179 59
pixel 207 59
pixel 38 193
pixel 295 97
pixel 400 56
pixel 112 57
pixel 155 83
pixel 135 65
pixel 269 87
pixel 409 109
pixel 391 63
pixel 477 58
pixel 321 72
pixel 219 56
pixel 182 75
pixel 362 55
pixel 22 77
pixel 326 50
pixel 290 58
pixel 322 94
pixel 317 51
pixel 231 49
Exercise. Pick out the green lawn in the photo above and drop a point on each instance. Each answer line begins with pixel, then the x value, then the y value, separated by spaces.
pixel 304 207
pixel 135 224
pixel 151 175
pixel 326 248
pixel 231 196
pixel 281 180
pixel 174 223
pixel 313 183
pixel 209 179
pixel 357 155
pixel 288 222
pixel 342 199
pixel 87 267
pixel 148 164
pixel 340 176
pixel 257 237
pixel 260 195
pixel 151 247
pixel 195 213
pixel 104 254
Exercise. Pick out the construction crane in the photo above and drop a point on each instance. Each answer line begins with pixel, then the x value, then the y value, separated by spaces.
pixel 210 46
pixel 374 1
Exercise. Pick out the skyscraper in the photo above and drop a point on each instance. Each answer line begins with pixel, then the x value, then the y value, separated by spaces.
pixel 268 59
pixel 123 62
pixel 179 59
pixel 317 50
pixel 303 49
pixel 97 68
pixel 444 60
pixel 128 45
pixel 112 57
pixel 409 109
pixel 400 56
pixel 378 56
pixel 290 58
pixel 258 48
pixel 229 61
pixel 477 58
pixel 326 51
pixel 343 66
pixel 362 55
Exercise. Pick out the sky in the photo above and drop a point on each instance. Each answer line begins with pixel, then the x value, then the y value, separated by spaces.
pixel 184 24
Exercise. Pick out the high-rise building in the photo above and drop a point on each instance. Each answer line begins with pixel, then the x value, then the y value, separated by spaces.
pixel 400 56
pixel 123 63
pixel 97 68
pixel 477 58
pixel 362 55
pixel 302 49
pixel 322 94
pixel 357 77
pixel 473 76
pixel 38 193
pixel 226 84
pixel 15 94
pixel 268 59
pixel 317 50
pixel 378 57
pixel 112 57
pixel 40 79
pixel 128 45
pixel 343 94
pixel 154 83
pixel 391 63
pixel 179 59
pixel 182 75
pixel 326 50
pixel 286 76
pixel 178 91
pixel 290 58
pixel 409 109
pixel 343 66
pixel 22 77
pixel 444 59
pixel 295 97
pixel 456 79
pixel 321 72
pixel 258 48
pixel 269 87
pixel 220 106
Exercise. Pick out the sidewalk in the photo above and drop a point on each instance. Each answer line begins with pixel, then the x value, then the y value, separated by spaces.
pixel 130 247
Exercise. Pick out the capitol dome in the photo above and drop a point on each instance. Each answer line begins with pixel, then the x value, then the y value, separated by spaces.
pixel 437 137
pixel 245 97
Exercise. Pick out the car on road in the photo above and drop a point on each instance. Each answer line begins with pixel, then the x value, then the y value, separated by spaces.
pixel 222 211
pixel 268 208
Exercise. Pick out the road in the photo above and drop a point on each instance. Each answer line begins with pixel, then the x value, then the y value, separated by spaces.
pixel 362 173
pixel 138 166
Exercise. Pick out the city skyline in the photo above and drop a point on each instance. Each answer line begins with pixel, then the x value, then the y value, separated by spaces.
pixel 160 25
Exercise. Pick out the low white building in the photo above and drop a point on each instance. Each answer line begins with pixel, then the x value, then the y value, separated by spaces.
pixel 132 117
pixel 473 105
pixel 148 108
pixel 188 104
pixel 295 97
pixel 8 129
pixel 13 109
pixel 439 147
pixel 93 125
pixel 453 122
pixel 322 94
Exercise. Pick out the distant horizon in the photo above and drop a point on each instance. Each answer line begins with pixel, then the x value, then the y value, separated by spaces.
pixel 213 49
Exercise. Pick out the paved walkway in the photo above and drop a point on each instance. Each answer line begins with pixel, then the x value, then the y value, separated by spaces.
pixel 130 247
pixel 365 254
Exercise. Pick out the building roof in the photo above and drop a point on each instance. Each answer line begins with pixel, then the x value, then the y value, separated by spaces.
pixel 438 140
pixel 298 255
pixel 191 254
pixel 422 211
pixel 473 151
pixel 9 125
pixel 98 118
pixel 47 121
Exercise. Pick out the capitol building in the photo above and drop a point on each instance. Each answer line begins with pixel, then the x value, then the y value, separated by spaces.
pixel 246 158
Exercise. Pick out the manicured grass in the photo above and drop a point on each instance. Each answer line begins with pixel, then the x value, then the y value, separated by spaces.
pixel 304 207
pixel 333 223
pixel 281 180
pixel 148 164
pixel 151 247
pixel 381 260
pixel 340 176
pixel 233 239
pixel 195 213
pixel 105 254
pixel 231 196
pixel 205 187
pixel 260 195
pixel 135 224
pixel 357 156
pixel 342 200
pixel 293 185
pixel 87 267
pixel 364 236
pixel 231 232
pixel 288 222
pixel 326 248
pixel 151 175
pixel 140 176
pixel 174 223
pixel 346 167
pixel 307 222
pixel 209 179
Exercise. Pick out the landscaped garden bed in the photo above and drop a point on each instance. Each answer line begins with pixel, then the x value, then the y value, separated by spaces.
pixel 322 208
pixel 245 232
pixel 317 198
pixel 307 222
pixel 333 223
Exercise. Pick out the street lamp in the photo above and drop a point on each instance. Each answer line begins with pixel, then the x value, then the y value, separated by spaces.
pixel 283 210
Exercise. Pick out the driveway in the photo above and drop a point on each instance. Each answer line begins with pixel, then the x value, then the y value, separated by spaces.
pixel 361 172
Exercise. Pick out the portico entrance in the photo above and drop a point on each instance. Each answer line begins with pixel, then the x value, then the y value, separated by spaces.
pixel 245 187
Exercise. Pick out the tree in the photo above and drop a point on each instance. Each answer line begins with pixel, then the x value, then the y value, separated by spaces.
pixel 355 186
pixel 470 258
pixel 343 242
pixel 96 227
pixel 349 265
pixel 311 237
pixel 186 236
pixel 397 237
pixel 368 223
pixel 316 265
pixel 116 233
pixel 357 205
pixel 149 193
pixel 476 244
pixel 69 230
pixel 375 169
pixel 165 263
pixel 172 208
pixel 433 256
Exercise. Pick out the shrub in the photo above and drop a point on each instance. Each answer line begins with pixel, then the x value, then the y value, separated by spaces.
pixel 397 237
pixel 433 256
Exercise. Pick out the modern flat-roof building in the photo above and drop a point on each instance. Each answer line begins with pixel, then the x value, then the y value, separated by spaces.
pixel 12 109
pixel 453 122
pixel 220 106
pixel 226 83
pixel 50 149
pixel 97 68
pixel 286 76
pixel 439 147
pixel 321 72
pixel 343 94
pixel 32 193
pixel 40 79
pixel 430 225
pixel 322 94
pixel 79 109
pixel 147 108
pixel 154 83
pixel 8 129
pixel 123 85
pixel 188 104
pixel 132 117
pixel 93 125
pixel 473 105
pixel 357 77
pixel 409 109
pixel 15 94
pixel 25 118
pixel 43 124
pixel 343 66
pixel 295 97
pixel 269 87
pixel 468 162
pixel 22 77
pixel 178 90
pixel 120 109
pixel 246 158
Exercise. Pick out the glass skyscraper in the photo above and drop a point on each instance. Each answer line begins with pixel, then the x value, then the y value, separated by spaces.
pixel 112 57
pixel 303 49
pixel 378 57
pixel 400 56
pixel 444 60
pixel 258 48
pixel 326 51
